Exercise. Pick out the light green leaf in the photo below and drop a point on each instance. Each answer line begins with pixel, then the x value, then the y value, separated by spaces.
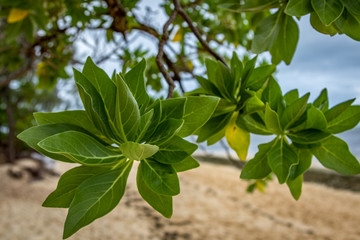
pixel 136 151
pixel 166 130
pixel 327 10
pixel 156 107
pixel 272 121
pixel 96 197
pixel 160 178
pixel 127 117
pixel 81 148
pixel 315 119
pixel 291 96
pixel 224 107
pixel 258 167
pixel 161 203
pixel 295 187
pixel 298 8
pixel 145 122
pixel 349 24
pixel 198 110
pixel 246 74
pixel 186 164
pixel 259 76
pixel 337 110
pixel 281 158
pixel 32 136
pixel 272 94
pixel 334 154
pixel 69 183
pixel 346 120
pixel 135 80
pixel 294 111
pixel 322 101
pixel 174 150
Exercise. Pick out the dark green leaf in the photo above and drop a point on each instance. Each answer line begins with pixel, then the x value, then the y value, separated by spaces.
pixel 308 136
pixel 272 94
pixel 186 164
pixel 349 24
pixel 294 111
pixel 156 107
pixel 166 130
pixel 161 203
pixel 224 81
pixel 334 154
pixel 145 122
pixel 298 8
pixel 68 184
pixel 295 186
pixel 208 86
pixel 258 167
pixel 160 178
pixel 337 110
pixel 346 120
pixel 321 27
pixel 213 126
pixel 327 10
pixel 246 74
pixel 281 158
pixel 173 108
pixel 96 197
pixel 236 71
pixel 224 107
pixel 353 6
pixel 81 148
pixel 305 157
pixel 259 76
pixel 322 101
pixel 252 123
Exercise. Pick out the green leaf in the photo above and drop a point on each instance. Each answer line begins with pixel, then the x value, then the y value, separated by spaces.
pixel 186 164
pixel 298 8
pixel 145 122
pixel 81 148
pixel 211 68
pixel 353 6
pixel 322 101
pixel 160 178
pixel 166 130
pixel 295 186
pixel 305 157
pixel 69 183
pixel 127 117
pixel 96 197
pixel 258 167
pixel 281 158
pixel 349 24
pixel 161 203
pixel 266 33
pixel 216 137
pixel 294 111
pixel 272 94
pixel 103 85
pixel 283 48
pixel 327 10
pixel 337 110
pixel 334 154
pixel 156 107
pixel 208 86
pixel 321 27
pixel 198 111
pixel 346 120
pixel 224 107
pixel 272 121
pixel 174 150
pixel 213 126
pixel 291 96
pixel 308 136
pixel 315 119
pixel 32 136
pixel 253 123
pixel 136 151
pixel 253 103
pixel 259 76
pixel 173 108
pixel 246 74
pixel 236 71
pixel 135 80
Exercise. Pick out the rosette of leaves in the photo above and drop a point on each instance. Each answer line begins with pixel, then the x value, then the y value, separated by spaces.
pixel 240 90
pixel 117 127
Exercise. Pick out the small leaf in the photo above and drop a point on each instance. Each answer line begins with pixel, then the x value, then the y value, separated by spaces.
pixel 17 15
pixel 161 203
pixel 259 76
pixel 346 120
pixel 327 10
pixel 145 122
pixel 334 154
pixel 156 108
pixel 160 178
pixel 237 138
pixel 81 148
pixel 322 101
pixel 349 24
pixel 272 121
pixel 298 8
pixel 136 151
pixel 305 157
pixel 178 36
pixel 186 164
pixel 68 184
pixel 291 96
pixel 96 197
pixel 352 6
pixel 272 94
pixel 281 158
pixel 258 167
pixel 337 110
pixel 295 186
pixel 315 119
pixel 208 86
pixel 198 110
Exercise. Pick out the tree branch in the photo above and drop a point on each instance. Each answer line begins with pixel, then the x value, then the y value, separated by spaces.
pixel 160 54
pixel 196 32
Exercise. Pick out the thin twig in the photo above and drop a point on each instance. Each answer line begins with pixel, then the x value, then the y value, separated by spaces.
pixel 196 32
pixel 160 54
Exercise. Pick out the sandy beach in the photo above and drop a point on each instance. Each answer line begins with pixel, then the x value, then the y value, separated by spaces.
pixel 213 204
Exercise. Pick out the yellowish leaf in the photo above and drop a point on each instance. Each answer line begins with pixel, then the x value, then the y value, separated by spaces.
pixel 237 138
pixel 260 185
pixel 178 36
pixel 190 65
pixel 17 15
pixel 41 69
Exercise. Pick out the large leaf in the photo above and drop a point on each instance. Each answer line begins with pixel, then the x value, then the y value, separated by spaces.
pixel 186 164
pixel 353 6
pixel 259 76
pixel 308 136
pixel 155 120
pixel 305 157
pixel 137 151
pixel 294 111
pixel 327 10
pixel 272 121
pixel 321 27
pixel 160 178
pixel 349 24
pixel 166 130
pixel 96 197
pixel 224 81
pixel 174 150
pixel 161 203
pixel 81 148
pixel 198 110
pixel 32 136
pixel 258 167
pixel 337 110
pixel 145 122
pixel 68 184
pixel 135 80
pixel 334 154
pixel 213 126
pixel 208 86
pixel 272 94
pixel 298 8
pixel 127 116
pixel 346 120
pixel 281 158
pixel 283 48
pixel 173 108
pixel 315 119
pixel 291 96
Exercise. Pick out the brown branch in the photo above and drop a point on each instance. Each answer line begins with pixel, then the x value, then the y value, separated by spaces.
pixel 160 54
pixel 196 32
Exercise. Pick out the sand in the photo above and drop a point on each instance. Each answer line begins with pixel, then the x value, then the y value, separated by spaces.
pixel 213 204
